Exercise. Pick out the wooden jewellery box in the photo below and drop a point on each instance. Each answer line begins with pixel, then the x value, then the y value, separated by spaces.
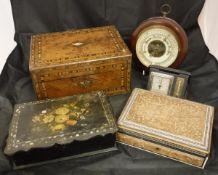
pixel 175 128
pixel 80 61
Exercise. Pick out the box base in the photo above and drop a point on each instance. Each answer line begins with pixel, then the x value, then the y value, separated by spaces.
pixel 174 154
pixel 56 153
pixel 65 158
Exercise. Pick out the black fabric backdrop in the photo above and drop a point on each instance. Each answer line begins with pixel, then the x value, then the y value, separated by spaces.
pixel 40 16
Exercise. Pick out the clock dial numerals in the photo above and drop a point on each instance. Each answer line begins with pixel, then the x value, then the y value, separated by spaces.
pixel 161 83
pixel 157 46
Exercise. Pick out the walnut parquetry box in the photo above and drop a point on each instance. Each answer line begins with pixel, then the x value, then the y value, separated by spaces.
pixel 80 61
pixel 58 129
pixel 168 126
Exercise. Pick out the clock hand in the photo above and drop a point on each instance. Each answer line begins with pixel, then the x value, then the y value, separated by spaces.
pixel 160 83
pixel 159 86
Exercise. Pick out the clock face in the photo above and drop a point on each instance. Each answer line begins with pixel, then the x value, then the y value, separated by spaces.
pixel 161 83
pixel 157 45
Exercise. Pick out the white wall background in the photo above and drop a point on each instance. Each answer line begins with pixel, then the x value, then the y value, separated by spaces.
pixel 7 43
pixel 208 21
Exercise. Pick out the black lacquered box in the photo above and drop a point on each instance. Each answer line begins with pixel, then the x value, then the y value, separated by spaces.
pixel 59 129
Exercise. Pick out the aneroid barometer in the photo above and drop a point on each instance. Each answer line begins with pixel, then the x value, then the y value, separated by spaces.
pixel 159 41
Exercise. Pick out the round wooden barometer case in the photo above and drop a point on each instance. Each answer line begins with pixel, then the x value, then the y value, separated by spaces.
pixel 159 41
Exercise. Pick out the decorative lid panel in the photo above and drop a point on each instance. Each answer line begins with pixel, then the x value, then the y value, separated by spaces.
pixel 177 121
pixel 70 47
pixel 59 121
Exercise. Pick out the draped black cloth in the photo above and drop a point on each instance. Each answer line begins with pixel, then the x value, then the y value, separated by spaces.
pixel 41 16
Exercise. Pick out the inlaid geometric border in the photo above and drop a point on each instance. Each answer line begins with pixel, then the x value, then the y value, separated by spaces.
pixel 203 144
pixel 36 60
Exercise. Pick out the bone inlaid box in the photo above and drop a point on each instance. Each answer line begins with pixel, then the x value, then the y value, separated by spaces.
pixel 175 128
pixel 80 61
pixel 59 129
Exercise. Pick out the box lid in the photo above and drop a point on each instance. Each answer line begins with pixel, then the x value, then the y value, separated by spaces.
pixel 72 47
pixel 43 124
pixel 175 122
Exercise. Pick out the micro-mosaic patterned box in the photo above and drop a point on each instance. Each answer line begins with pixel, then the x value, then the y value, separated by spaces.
pixel 174 128
pixel 80 61
pixel 59 129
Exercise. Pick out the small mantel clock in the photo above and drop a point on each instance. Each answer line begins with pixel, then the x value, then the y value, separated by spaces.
pixel 168 81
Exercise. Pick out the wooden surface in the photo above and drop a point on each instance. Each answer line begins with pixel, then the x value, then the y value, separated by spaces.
pixel 161 150
pixel 80 61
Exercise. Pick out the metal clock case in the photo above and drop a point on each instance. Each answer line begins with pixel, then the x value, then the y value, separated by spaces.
pixel 159 41
pixel 168 81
